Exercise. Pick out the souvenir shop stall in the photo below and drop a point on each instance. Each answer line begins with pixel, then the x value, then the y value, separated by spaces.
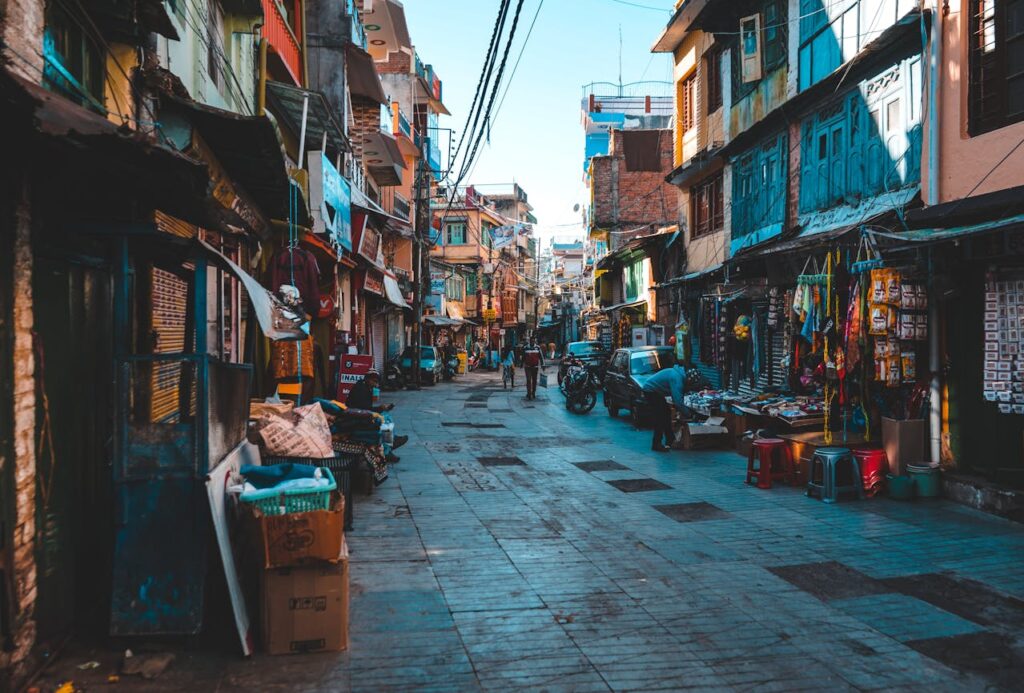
pixel 834 358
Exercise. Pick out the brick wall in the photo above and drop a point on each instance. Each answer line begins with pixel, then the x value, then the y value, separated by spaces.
pixel 365 120
pixel 397 63
pixel 24 415
pixel 22 32
pixel 624 200
pixel 604 193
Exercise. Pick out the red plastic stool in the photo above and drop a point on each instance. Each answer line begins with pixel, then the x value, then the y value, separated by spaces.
pixel 774 462
pixel 873 468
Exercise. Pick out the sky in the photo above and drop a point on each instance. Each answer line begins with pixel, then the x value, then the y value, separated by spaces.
pixel 537 137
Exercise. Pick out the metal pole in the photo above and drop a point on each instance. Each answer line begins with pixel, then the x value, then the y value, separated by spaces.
pixel 422 210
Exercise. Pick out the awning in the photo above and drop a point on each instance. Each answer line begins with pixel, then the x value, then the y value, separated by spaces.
pixel 701 165
pixel 130 165
pixel 441 321
pixel 276 321
pixel 363 80
pixel 386 28
pixel 393 293
pixel 248 148
pixel 620 306
pixel 383 158
pixel 690 277
pixel 287 101
pixel 454 311
pixel 390 221
pixel 972 210
pixel 927 236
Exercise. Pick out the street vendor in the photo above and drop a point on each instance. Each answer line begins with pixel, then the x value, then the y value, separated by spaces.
pixel 361 397
pixel 668 382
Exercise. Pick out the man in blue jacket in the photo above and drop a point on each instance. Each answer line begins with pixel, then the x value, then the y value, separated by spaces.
pixel 668 382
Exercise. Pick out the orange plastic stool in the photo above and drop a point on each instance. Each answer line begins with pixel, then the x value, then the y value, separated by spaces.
pixel 773 462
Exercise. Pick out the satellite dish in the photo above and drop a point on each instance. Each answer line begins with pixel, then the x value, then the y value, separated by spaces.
pixel 576 207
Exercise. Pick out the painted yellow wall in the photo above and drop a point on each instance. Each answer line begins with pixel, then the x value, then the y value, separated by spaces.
pixel 117 96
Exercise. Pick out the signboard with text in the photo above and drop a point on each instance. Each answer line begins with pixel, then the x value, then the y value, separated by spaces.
pixel 331 201
pixel 374 282
pixel 352 369
pixel 490 314
pixel 369 244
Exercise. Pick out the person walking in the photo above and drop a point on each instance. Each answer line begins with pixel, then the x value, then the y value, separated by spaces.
pixel 508 368
pixel 668 382
pixel 533 359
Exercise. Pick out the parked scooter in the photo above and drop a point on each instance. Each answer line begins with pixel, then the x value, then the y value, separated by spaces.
pixel 393 378
pixel 580 386
pixel 451 367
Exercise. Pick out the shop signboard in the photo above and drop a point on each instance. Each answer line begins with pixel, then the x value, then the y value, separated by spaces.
pixel 639 336
pixel 437 282
pixel 352 369
pixel 331 201
pixel 502 236
pixel 374 282
pixel 369 244
pixel 490 314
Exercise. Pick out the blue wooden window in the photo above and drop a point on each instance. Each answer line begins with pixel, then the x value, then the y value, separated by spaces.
pixel 774 47
pixel 759 187
pixel 864 143
pixel 456 234
pixel 833 32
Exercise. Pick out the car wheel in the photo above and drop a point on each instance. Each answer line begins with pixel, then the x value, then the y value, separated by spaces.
pixel 613 410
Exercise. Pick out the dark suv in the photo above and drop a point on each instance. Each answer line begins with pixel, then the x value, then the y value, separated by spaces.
pixel 590 353
pixel 627 372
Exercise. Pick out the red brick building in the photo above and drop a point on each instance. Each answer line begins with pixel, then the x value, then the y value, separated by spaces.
pixel 630 195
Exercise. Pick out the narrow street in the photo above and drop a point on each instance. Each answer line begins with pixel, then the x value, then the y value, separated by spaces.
pixel 517 546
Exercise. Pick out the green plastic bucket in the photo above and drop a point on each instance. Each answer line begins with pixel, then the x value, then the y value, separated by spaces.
pixel 900 487
pixel 926 480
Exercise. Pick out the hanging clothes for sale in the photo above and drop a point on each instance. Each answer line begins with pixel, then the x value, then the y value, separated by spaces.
pixel 297 267
pixel 292 359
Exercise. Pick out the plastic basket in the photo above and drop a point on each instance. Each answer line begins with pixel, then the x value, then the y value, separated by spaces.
pixel 299 500
pixel 340 463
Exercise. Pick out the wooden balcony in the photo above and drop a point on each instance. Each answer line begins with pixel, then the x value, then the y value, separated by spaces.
pixel 282 37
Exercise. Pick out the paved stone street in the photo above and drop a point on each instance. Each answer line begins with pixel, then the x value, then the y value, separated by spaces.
pixel 517 546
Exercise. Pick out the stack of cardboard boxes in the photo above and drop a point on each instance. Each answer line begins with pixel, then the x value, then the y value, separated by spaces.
pixel 302 560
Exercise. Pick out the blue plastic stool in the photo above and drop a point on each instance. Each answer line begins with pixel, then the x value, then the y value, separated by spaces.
pixel 823 478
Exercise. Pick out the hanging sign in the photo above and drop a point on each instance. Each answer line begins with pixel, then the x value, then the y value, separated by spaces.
pixel 437 282
pixel 502 236
pixel 330 197
pixel 374 282
pixel 490 314
pixel 369 244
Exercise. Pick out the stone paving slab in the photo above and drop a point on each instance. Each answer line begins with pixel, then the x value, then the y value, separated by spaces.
pixel 543 575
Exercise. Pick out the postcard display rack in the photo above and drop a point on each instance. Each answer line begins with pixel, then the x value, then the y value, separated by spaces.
pixel 1004 344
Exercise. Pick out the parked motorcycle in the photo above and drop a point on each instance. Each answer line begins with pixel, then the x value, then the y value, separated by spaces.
pixel 451 367
pixel 392 378
pixel 581 385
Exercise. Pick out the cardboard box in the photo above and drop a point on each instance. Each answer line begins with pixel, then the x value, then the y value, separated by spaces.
pixel 295 539
pixel 306 609
pixel 903 442
pixel 696 436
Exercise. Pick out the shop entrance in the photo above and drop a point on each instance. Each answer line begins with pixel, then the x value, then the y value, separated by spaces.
pixel 74 500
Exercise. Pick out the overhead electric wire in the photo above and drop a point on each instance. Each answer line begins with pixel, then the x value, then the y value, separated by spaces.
pixel 492 52
pixel 471 155
pixel 467 163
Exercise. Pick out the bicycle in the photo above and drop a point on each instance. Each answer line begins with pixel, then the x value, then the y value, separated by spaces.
pixel 508 377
